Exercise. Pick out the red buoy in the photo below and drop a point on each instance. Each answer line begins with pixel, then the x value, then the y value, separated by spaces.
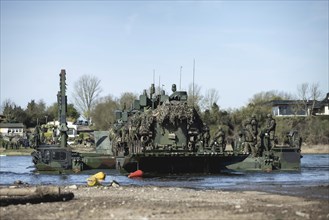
pixel 137 173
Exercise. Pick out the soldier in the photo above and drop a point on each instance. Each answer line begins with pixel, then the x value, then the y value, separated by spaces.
pixel 254 127
pixel 219 140
pixel 239 142
pixel 270 130
pixel 54 135
pixel 36 136
pixel 250 144
pixel 205 135
pixel 41 134
pixel 293 139
pixel 125 139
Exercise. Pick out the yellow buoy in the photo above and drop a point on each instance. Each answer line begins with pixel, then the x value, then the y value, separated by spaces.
pixel 96 179
pixel 100 176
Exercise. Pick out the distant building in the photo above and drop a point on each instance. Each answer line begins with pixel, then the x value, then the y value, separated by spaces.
pixel 299 107
pixel 12 129
pixel 322 107
pixel 288 108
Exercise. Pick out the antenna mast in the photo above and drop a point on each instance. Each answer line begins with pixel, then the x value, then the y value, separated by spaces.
pixel 153 76
pixel 180 79
pixel 159 91
pixel 62 108
pixel 193 80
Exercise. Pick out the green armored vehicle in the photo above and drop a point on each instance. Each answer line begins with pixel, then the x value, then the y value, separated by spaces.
pixel 59 157
pixel 268 155
pixel 163 134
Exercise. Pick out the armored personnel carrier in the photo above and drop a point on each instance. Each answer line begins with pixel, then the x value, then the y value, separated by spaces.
pixel 59 157
pixel 163 134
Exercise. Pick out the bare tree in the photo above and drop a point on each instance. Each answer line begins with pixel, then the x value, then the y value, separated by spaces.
pixel 127 99
pixel 210 98
pixel 308 93
pixel 303 94
pixel 315 94
pixel 86 91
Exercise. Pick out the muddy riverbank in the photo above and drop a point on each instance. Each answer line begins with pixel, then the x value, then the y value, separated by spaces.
pixel 150 202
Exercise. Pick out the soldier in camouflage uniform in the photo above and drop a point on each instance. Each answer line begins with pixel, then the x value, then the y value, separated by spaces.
pixel 269 132
pixel 239 142
pixel 254 127
pixel 125 139
pixel 36 136
pixel 54 136
pixel 219 142
pixel 249 138
pixel 205 136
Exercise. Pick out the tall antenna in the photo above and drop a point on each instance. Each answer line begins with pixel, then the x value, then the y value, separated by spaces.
pixel 193 80
pixel 180 79
pixel 153 76
pixel 159 86
pixel 62 106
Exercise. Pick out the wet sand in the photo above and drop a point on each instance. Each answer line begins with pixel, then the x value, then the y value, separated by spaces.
pixel 148 202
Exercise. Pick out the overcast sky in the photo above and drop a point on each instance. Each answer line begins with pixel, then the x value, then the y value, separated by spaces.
pixel 240 47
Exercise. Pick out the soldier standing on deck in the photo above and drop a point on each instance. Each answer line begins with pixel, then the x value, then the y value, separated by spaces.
pixel 219 142
pixel 254 125
pixel 249 138
pixel 268 133
pixel 205 136
pixel 254 128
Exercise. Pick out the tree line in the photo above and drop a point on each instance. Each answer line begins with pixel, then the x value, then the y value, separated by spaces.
pixel 101 110
pixel 314 130
pixel 35 113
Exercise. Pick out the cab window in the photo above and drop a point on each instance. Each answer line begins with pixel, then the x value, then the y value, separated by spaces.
pixel 59 155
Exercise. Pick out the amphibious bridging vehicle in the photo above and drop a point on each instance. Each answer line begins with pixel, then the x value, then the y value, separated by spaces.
pixel 59 157
pixel 163 134
pixel 158 134
pixel 285 157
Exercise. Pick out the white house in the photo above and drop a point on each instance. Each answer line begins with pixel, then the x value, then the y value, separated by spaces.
pixel 322 107
pixel 12 129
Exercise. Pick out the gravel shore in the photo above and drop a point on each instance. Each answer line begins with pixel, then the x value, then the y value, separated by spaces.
pixel 149 202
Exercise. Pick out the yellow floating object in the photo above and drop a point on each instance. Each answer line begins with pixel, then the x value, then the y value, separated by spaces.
pixel 96 179
pixel 100 176
pixel 92 181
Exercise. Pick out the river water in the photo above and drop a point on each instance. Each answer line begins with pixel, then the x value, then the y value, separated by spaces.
pixel 314 172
